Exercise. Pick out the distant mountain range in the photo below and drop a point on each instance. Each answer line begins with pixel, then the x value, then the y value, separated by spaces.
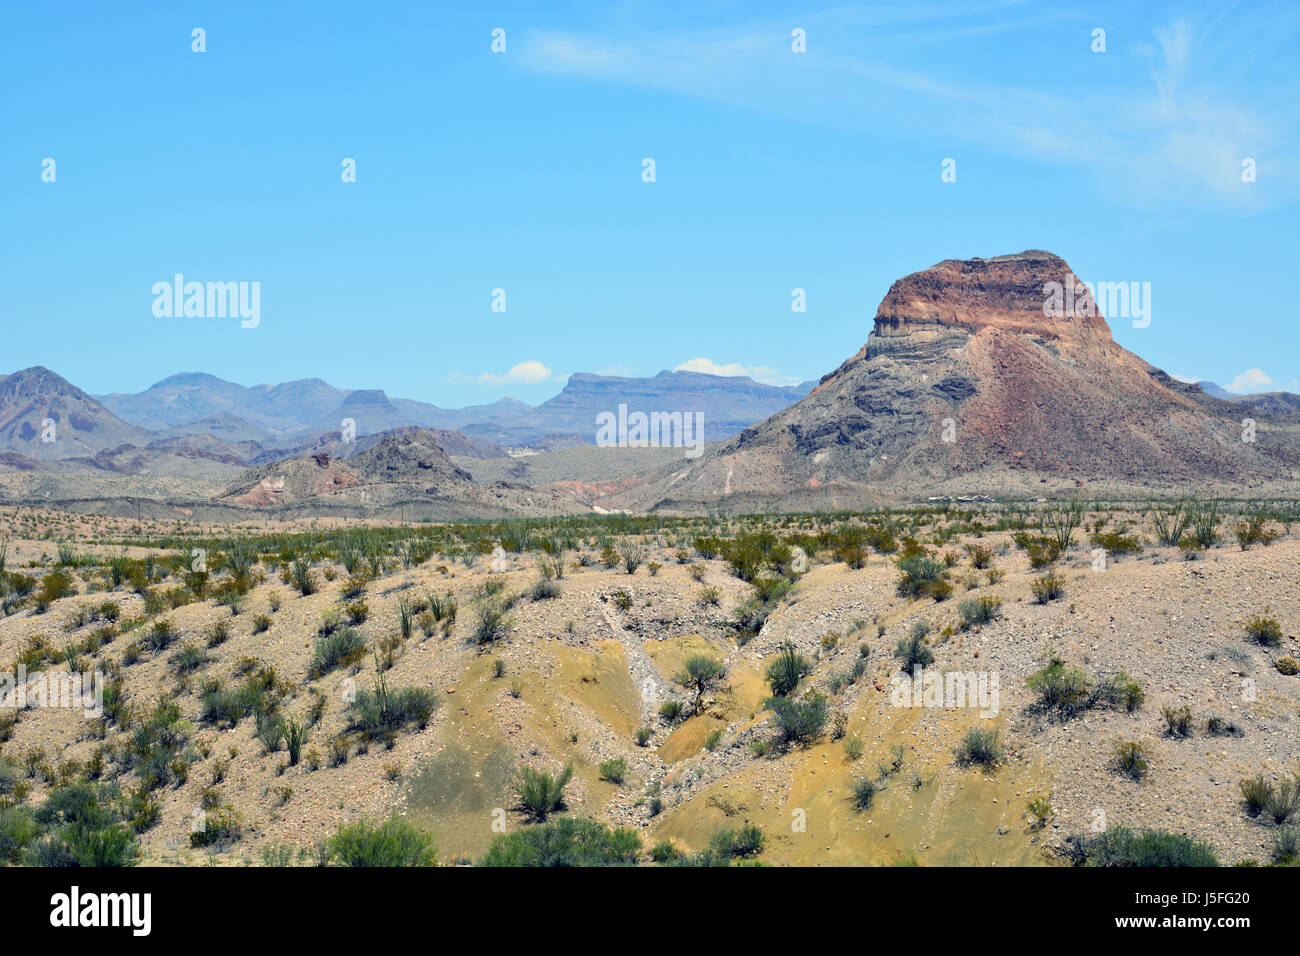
pixel 194 402
pixel 44 417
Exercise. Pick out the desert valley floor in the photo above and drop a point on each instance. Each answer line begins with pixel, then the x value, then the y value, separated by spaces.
pixel 545 643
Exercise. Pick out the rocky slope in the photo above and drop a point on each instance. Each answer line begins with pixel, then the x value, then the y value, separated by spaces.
pixel 406 468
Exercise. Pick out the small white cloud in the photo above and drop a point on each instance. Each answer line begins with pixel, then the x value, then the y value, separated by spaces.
pixel 1185 379
pixel 524 373
pixel 759 373
pixel 1250 381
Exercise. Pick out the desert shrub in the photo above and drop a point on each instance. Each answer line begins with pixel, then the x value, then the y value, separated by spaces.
pixel 1040 807
pixel 982 746
pixel 300 574
pixel 1049 587
pixel 785 672
pixel 1286 664
pixel 161 635
pixel 1058 524
pixel 1120 846
pixel 382 711
pixel 713 739
pixel 1255 791
pixel 799 721
pixel 395 842
pixel 55 585
pixel 218 634
pixel 221 826
pixel 1118 690
pixel 541 793
pixel 919 573
pixel 864 792
pixel 743 842
pixel 339 648
pixel 544 589
pixel 1178 720
pixel 492 622
pixel 912 650
pixel 978 610
pixel 633 555
pixel 1263 630
pixel 1252 530
pixel 271 734
pixel 1116 544
pixel 1217 726
pixel 1286 845
pixel 568 842
pixel 614 770
pixel 670 710
pixel 1283 800
pixel 1169 521
pixel 699 673
pixel 190 658
pixel 295 735
pixel 1133 759
pixel 642 736
pixel 18 829
pixel 1203 519
pixel 1061 689
pixel 981 555
pixel 663 851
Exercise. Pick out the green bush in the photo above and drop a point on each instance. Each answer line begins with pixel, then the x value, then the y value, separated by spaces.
pixel 382 711
pixel 799 721
pixel 338 648
pixel 744 842
pixel 919 574
pixel 1120 846
pixel 1178 720
pixel 1133 759
pixel 982 746
pixel 491 621
pixel 912 651
pixel 567 842
pixel 979 610
pixel 614 770
pixel 1049 587
pixel 699 673
pixel 540 793
pixel 1263 630
pixel 864 792
pixel 395 842
pixel 670 710
pixel 1061 689
pixel 785 672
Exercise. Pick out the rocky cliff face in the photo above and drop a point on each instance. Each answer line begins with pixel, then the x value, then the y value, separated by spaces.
pixel 965 382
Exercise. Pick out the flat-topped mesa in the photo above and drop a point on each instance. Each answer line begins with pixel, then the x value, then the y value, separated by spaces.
pixel 1033 292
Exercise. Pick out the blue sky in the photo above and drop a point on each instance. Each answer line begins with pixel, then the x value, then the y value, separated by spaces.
pixel 522 170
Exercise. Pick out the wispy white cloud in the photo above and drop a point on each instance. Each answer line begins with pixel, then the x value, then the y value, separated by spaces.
pixel 759 373
pixel 1176 132
pixel 530 372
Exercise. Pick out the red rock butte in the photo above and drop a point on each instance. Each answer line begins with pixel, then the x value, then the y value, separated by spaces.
pixel 1006 292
